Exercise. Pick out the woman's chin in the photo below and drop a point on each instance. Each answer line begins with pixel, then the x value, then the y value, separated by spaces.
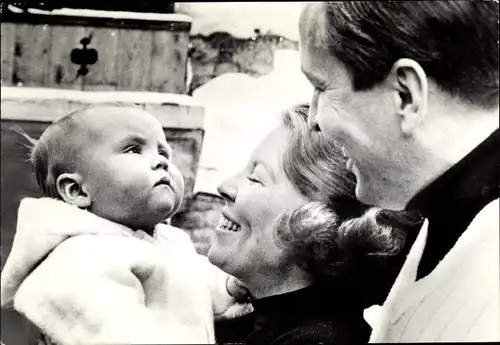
pixel 226 242
pixel 226 248
pixel 219 258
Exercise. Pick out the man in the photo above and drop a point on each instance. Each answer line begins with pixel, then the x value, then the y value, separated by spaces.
pixel 411 91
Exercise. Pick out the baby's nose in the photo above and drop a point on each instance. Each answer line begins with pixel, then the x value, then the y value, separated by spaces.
pixel 161 162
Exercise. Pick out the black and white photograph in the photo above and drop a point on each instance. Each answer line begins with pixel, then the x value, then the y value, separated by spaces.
pixel 249 172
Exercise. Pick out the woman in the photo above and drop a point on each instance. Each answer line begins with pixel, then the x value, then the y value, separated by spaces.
pixel 310 254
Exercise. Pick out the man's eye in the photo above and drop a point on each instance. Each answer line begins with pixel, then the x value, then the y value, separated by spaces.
pixel 133 149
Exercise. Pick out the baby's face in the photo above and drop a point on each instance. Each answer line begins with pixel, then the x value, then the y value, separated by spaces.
pixel 128 169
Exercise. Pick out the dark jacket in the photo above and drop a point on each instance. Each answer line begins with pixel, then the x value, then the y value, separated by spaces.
pixel 453 200
pixel 317 314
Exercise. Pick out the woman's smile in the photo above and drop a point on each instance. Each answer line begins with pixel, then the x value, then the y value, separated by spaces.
pixel 227 224
pixel 243 243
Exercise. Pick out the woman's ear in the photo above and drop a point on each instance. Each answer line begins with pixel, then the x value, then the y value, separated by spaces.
pixel 72 191
pixel 411 95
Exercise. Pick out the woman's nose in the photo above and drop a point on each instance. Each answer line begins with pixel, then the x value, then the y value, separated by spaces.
pixel 228 190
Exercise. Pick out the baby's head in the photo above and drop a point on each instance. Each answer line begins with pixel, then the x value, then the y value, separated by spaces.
pixel 113 161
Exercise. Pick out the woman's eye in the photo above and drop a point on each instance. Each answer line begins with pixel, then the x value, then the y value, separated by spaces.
pixel 133 149
pixel 253 179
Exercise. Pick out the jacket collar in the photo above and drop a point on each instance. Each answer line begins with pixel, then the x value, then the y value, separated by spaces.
pixel 451 202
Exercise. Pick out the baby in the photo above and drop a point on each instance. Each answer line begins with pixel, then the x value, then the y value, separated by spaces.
pixel 109 184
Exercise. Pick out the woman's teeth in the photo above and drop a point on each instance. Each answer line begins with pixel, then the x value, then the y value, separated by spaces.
pixel 226 224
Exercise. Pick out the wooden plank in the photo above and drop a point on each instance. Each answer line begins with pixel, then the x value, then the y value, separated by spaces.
pixel 48 104
pixel 134 60
pixel 63 72
pixel 8 32
pixel 168 61
pixel 177 116
pixel 103 74
pixel 34 109
pixel 31 55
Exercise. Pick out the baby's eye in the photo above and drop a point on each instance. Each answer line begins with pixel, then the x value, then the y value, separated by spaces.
pixel 133 149
pixel 164 154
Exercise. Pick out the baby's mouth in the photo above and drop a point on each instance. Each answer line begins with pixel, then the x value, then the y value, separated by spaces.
pixel 163 181
pixel 228 224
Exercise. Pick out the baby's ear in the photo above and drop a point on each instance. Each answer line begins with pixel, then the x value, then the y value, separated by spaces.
pixel 71 190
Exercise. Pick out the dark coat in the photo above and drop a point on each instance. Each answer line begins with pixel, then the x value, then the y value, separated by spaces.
pixel 316 314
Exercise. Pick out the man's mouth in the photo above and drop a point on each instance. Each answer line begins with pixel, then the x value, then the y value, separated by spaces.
pixel 227 224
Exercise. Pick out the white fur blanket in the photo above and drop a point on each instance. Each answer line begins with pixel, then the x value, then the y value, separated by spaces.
pixel 85 280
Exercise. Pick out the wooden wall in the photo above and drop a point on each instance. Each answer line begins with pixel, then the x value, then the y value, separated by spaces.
pixel 133 55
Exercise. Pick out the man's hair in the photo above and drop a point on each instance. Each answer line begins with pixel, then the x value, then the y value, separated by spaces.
pixel 455 42
pixel 59 148
pixel 335 237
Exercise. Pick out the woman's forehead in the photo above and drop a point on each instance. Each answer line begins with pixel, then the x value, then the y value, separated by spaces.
pixel 272 148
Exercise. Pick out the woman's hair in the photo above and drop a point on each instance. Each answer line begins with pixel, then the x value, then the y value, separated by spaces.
pixel 335 237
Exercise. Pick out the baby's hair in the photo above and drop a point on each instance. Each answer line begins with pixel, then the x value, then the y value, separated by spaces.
pixel 58 150
pixel 30 141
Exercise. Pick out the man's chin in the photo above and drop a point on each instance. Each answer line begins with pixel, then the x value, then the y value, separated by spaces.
pixel 364 194
pixel 376 196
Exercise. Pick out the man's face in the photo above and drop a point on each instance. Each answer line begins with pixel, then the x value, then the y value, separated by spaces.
pixel 364 122
pixel 128 168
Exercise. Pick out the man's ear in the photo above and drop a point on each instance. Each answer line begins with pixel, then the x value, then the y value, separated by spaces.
pixel 411 86
pixel 72 190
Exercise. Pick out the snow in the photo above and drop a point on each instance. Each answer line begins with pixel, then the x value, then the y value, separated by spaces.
pixel 242 18
pixel 166 17
pixel 240 111
pixel 34 93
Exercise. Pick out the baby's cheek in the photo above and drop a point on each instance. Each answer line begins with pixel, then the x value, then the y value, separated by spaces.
pixel 133 191
pixel 178 179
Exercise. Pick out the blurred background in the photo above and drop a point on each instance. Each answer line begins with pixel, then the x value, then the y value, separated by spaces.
pixel 217 76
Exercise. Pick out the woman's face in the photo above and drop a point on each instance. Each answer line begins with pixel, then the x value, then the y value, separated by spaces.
pixel 244 245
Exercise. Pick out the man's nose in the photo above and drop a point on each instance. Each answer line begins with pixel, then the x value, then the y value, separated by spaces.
pixel 228 189
pixel 313 110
